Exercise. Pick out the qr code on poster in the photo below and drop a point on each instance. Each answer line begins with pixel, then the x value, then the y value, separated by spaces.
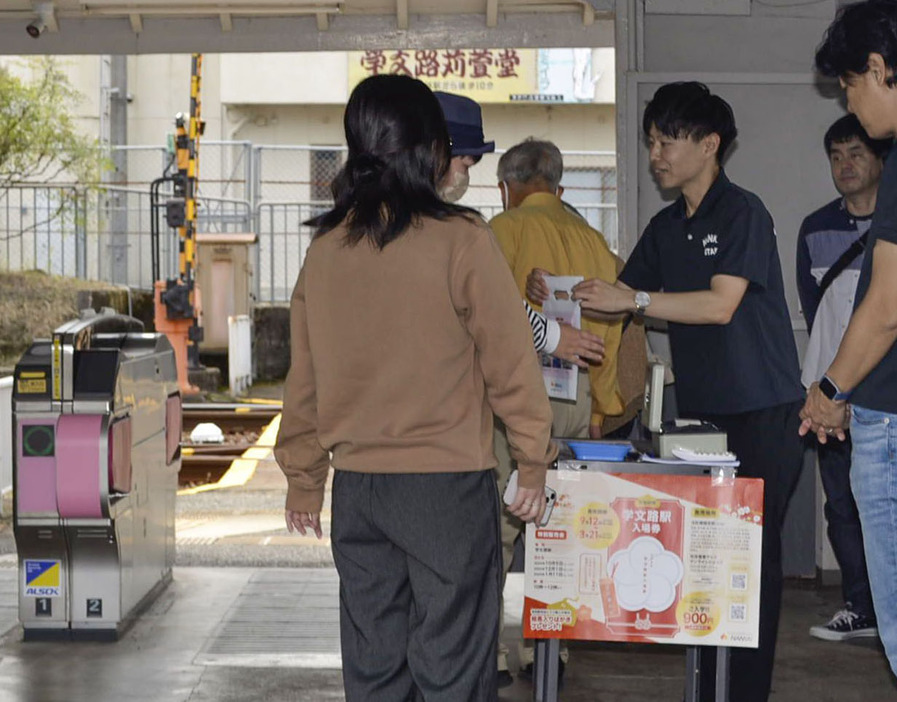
pixel 739 581
pixel 737 612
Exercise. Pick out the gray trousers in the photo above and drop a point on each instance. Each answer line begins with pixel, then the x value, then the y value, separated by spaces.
pixel 419 561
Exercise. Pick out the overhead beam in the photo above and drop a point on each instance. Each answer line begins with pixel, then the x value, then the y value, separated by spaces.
pixel 220 5
pixel 323 21
pixel 168 35
pixel 227 22
pixel 402 14
pixel 540 7
pixel 209 11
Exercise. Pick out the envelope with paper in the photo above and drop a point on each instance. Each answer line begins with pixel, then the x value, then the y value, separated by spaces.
pixel 561 377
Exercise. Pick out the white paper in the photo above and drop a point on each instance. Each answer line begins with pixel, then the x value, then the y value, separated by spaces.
pixel 561 377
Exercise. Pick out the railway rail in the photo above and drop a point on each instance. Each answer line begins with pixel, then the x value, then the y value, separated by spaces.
pixel 241 425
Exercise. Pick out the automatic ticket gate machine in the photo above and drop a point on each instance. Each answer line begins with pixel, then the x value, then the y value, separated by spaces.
pixel 97 423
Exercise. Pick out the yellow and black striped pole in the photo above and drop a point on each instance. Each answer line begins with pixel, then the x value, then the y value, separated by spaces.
pixel 195 129
pixel 181 297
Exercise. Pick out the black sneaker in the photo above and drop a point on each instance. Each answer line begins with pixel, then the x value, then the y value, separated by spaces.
pixel 846 625
pixel 505 679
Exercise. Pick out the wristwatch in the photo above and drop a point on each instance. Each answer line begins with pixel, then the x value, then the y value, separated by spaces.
pixel 642 300
pixel 828 388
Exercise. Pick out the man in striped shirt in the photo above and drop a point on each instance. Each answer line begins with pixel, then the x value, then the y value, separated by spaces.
pixel 828 268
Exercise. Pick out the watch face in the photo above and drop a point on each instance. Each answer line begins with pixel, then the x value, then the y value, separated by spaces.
pixel 828 388
pixel 642 299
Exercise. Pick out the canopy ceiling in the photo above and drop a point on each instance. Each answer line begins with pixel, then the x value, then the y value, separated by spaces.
pixel 167 26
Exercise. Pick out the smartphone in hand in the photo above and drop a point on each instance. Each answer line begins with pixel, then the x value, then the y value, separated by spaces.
pixel 551 497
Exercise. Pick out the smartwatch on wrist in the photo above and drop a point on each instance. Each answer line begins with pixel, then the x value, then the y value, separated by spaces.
pixel 642 300
pixel 828 388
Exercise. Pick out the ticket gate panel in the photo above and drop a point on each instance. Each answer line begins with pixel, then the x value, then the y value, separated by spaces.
pixel 43 577
pixel 96 576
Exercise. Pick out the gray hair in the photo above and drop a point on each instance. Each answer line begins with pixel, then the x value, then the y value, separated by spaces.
pixel 532 160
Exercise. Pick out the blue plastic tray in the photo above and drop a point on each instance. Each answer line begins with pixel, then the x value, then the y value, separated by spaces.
pixel 600 450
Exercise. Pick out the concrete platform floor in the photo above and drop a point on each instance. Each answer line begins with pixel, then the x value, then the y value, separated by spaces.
pixel 252 615
pixel 238 634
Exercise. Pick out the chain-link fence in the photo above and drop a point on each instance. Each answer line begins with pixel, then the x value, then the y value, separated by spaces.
pixel 103 232
pixel 44 228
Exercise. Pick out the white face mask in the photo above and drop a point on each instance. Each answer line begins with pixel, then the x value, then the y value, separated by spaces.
pixel 456 186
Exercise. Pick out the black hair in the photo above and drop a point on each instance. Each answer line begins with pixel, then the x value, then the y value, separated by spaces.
pixel 689 110
pixel 849 127
pixel 859 30
pixel 399 150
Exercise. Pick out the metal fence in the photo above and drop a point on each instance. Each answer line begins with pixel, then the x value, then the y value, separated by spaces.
pixel 102 232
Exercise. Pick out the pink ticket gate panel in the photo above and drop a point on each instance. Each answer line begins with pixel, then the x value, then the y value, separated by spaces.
pixel 95 473
pixel 43 557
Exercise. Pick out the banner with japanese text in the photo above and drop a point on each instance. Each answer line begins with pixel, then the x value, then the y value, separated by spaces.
pixel 647 558
pixel 487 75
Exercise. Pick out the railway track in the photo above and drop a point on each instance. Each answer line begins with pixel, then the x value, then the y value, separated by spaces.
pixel 241 424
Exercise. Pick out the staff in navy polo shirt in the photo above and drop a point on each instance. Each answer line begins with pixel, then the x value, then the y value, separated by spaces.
pixel 708 265
pixel 860 49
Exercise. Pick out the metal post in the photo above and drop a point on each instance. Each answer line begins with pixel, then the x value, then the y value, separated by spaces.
pixel 118 136
pixel 545 670
pixel 81 215
pixel 692 674
pixel 722 674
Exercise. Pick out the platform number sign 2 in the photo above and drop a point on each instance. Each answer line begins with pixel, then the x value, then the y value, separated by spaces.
pixel 94 607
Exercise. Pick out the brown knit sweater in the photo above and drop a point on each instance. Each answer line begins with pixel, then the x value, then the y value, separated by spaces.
pixel 400 357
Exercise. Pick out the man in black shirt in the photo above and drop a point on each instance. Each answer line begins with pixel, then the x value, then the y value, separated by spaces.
pixel 708 265
pixel 860 49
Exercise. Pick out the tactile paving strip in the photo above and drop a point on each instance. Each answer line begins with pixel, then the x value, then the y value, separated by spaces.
pixel 282 618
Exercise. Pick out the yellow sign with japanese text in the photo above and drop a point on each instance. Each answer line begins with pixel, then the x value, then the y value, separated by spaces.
pixel 484 75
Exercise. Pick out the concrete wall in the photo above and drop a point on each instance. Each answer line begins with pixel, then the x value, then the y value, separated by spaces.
pixel 295 98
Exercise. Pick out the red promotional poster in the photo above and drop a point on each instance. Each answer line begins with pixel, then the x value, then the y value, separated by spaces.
pixel 648 558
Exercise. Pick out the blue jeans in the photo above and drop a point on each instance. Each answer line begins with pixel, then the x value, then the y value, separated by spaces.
pixel 844 531
pixel 873 477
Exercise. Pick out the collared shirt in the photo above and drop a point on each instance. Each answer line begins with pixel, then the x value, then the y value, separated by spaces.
pixel 751 362
pixel 878 390
pixel 824 236
pixel 542 233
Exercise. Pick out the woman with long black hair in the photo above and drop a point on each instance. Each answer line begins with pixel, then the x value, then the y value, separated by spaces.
pixel 406 335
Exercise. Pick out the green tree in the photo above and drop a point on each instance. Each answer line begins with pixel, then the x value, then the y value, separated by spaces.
pixel 39 141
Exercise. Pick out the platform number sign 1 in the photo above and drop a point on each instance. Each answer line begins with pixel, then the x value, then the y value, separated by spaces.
pixel 43 607
pixel 94 607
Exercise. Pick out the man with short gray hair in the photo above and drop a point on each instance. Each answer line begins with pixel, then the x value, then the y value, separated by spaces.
pixel 537 230
pixel 531 165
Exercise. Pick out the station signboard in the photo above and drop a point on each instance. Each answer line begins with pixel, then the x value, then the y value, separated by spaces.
pixel 494 75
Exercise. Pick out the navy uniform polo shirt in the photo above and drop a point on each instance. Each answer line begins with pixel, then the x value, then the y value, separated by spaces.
pixel 878 390
pixel 751 362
